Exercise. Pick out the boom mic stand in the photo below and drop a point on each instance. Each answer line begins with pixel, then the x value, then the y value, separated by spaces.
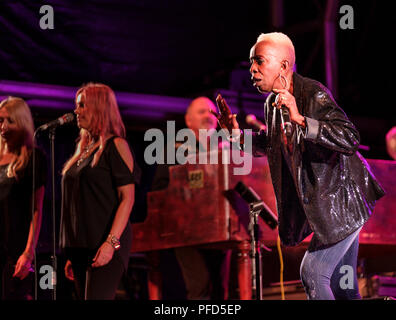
pixel 257 207
pixel 257 279
pixel 32 213
pixel 53 258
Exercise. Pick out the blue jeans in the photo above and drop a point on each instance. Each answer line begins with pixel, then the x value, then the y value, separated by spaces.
pixel 330 273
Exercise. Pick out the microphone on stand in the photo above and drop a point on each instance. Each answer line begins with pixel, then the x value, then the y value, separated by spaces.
pixel 255 123
pixel 66 118
pixel 251 197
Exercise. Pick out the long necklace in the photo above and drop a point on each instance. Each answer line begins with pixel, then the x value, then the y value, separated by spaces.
pixel 85 153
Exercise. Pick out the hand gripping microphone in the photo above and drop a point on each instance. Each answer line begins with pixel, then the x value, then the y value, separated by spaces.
pixel 285 116
pixel 286 121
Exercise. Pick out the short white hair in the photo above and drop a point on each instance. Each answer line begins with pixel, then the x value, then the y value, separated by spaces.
pixel 281 39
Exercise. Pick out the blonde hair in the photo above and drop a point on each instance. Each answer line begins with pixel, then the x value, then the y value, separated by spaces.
pixel 279 38
pixel 106 119
pixel 19 113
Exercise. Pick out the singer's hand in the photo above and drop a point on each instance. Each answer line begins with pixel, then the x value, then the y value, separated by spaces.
pixel 23 267
pixel 69 271
pixel 288 100
pixel 103 255
pixel 226 119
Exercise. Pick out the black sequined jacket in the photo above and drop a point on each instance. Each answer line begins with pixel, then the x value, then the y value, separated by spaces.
pixel 322 184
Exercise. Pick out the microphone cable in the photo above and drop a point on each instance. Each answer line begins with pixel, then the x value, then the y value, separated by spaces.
pixel 278 245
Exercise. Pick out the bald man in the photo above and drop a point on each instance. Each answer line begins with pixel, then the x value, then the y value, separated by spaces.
pixel 390 140
pixel 198 115
pixel 202 269
pixel 322 184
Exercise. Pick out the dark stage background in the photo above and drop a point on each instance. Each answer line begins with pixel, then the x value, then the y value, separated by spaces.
pixel 184 49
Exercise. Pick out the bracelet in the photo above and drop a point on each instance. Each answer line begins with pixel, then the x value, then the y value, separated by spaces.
pixel 235 138
pixel 113 241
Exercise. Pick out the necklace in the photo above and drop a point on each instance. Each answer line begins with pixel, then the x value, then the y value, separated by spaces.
pixel 85 153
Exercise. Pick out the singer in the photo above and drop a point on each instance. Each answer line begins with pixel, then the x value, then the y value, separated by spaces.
pixel 97 197
pixel 322 184
pixel 19 226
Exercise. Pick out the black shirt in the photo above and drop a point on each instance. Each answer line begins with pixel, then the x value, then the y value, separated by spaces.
pixel 90 199
pixel 16 204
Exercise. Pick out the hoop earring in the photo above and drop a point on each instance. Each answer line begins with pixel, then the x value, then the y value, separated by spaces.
pixel 283 81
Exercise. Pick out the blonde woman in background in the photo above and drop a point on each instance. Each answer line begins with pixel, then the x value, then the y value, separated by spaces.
pixel 18 231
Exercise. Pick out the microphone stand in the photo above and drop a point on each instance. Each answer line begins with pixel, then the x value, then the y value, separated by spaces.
pixel 32 213
pixel 254 211
pixel 54 260
pixel 51 126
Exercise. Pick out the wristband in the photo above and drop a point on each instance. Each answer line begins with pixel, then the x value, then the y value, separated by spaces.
pixel 232 138
pixel 113 241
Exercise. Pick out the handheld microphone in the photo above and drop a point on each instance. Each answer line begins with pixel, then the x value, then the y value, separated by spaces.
pixel 285 116
pixel 66 118
pixel 254 122
pixel 286 121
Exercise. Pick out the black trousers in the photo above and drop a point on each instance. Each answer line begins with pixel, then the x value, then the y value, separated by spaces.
pixel 95 283
pixel 203 272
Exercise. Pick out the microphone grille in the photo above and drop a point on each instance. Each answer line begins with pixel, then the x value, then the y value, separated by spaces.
pixel 250 118
pixel 68 117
